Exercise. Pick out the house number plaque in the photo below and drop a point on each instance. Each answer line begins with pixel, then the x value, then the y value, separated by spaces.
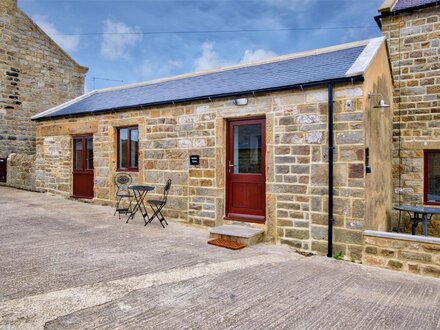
pixel 194 160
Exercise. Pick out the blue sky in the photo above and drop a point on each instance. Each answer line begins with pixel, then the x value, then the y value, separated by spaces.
pixel 137 57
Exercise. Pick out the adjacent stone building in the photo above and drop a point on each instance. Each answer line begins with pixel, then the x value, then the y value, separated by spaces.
pixel 261 134
pixel 35 74
pixel 412 29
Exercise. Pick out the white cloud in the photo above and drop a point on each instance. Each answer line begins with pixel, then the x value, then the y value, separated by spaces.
pixel 211 59
pixel 114 46
pixel 154 70
pixel 68 43
pixel 256 55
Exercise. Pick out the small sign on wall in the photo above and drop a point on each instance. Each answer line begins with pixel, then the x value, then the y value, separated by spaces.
pixel 194 159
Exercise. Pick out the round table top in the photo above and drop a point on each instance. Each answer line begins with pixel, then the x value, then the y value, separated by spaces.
pixel 418 209
pixel 141 188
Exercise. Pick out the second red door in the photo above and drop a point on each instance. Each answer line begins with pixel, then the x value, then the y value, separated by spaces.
pixel 83 178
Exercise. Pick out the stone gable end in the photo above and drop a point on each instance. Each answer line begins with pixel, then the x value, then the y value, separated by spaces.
pixel 35 75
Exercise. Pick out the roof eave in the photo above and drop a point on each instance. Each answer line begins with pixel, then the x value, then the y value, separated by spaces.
pixel 352 79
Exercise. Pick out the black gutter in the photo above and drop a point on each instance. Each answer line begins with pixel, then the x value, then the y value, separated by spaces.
pixel 207 97
pixel 330 171
pixel 397 12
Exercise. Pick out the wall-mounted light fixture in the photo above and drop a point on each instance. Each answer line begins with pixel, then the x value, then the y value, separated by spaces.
pixel 242 101
pixel 381 105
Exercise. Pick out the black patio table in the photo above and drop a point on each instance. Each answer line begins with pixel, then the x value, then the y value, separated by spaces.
pixel 140 192
pixel 421 214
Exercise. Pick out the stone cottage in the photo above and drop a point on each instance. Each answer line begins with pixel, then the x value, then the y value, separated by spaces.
pixel 35 74
pixel 412 29
pixel 266 134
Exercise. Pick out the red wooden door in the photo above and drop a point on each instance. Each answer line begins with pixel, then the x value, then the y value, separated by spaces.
pixel 246 170
pixel 83 166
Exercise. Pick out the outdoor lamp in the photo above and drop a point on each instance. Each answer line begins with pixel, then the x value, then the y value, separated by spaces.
pixel 381 105
pixel 242 101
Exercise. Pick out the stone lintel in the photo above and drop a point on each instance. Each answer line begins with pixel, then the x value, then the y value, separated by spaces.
pixel 420 145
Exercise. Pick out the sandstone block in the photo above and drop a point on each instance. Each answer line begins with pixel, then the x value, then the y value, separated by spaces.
pixel 395 264
pixel 297 233
pixel 314 137
pixel 431 270
pixel 414 256
pixel 319 233
pixel 371 250
pixel 348 236
pixel 356 137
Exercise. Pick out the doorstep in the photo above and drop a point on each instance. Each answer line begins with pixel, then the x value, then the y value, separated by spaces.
pixel 237 233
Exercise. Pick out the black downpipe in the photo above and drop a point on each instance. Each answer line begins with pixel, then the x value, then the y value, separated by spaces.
pixel 330 170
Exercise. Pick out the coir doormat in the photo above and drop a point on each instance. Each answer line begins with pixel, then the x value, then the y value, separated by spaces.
pixel 226 244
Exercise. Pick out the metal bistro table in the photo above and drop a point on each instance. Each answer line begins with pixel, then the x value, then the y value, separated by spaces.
pixel 140 192
pixel 421 214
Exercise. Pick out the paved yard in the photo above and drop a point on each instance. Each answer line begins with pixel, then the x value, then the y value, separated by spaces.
pixel 67 264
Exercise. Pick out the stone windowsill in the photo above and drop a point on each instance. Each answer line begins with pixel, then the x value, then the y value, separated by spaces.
pixel 403 237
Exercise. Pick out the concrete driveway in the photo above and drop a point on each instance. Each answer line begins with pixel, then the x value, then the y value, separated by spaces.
pixel 67 264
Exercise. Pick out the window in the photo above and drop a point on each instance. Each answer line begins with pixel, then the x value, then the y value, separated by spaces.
pixel 432 177
pixel 247 152
pixel 128 148
pixel 83 149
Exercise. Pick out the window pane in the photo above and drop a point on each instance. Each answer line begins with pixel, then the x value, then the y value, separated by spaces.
pixel 89 154
pixel 247 149
pixel 134 147
pixel 433 179
pixel 78 153
pixel 123 147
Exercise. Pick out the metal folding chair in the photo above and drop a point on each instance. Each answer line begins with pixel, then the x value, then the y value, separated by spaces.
pixel 123 194
pixel 158 205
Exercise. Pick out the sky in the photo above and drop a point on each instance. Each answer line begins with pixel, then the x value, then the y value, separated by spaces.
pixel 119 40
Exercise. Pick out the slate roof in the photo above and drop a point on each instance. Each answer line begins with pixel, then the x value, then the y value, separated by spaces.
pixel 296 71
pixel 407 4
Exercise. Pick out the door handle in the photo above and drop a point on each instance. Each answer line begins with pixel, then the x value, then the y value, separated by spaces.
pixel 231 166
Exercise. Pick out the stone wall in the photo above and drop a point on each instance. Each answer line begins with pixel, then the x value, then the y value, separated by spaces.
pixel 53 165
pixel 402 252
pixel 296 161
pixel 35 75
pixel 301 171
pixel 21 171
pixel 414 47
pixel 378 140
